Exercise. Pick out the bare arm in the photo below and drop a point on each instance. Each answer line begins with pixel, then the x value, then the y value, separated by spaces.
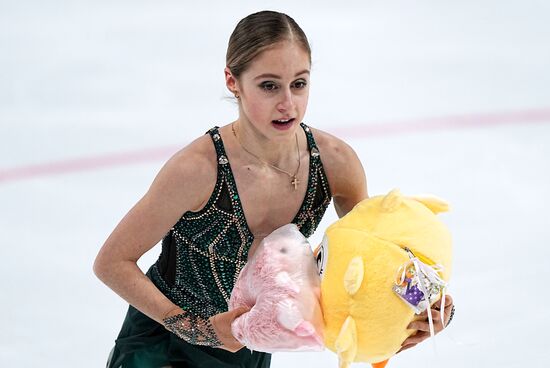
pixel 173 192
pixel 184 183
pixel 345 172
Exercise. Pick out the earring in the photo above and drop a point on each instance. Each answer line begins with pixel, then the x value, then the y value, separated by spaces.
pixel 237 95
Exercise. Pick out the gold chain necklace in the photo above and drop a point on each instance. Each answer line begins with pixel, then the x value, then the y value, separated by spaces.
pixel 294 180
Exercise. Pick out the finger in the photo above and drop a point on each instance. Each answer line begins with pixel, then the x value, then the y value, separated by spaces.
pixel 233 343
pixel 405 347
pixel 419 325
pixel 424 315
pixel 233 346
pixel 424 324
pixel 448 302
pixel 236 348
pixel 238 311
pixel 436 315
pixel 231 349
pixel 416 338
pixel 229 342
pixel 425 327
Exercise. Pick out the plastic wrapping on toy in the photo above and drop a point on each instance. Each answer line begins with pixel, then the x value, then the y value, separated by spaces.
pixel 281 286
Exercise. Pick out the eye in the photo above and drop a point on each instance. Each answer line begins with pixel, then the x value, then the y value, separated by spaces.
pixel 299 84
pixel 268 86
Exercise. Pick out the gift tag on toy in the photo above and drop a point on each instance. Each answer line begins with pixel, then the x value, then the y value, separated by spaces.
pixel 418 284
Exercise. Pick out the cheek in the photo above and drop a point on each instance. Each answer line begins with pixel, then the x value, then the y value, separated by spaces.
pixel 302 100
pixel 258 108
pixel 301 103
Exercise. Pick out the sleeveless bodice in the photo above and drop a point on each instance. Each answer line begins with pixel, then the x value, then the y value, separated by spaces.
pixel 204 251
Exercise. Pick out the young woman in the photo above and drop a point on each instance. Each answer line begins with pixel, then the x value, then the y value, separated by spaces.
pixel 216 199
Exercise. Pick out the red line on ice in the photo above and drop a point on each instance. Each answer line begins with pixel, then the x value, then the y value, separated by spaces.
pixel 363 131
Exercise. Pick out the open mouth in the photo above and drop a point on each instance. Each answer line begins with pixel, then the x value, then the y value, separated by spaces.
pixel 283 123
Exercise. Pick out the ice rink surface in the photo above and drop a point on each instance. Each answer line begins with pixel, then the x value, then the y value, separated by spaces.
pixel 444 97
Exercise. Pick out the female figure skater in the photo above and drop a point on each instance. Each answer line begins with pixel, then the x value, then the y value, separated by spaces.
pixel 215 200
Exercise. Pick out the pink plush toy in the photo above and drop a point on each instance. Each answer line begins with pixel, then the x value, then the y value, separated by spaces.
pixel 281 284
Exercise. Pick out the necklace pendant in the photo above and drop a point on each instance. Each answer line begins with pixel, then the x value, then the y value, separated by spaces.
pixel 295 182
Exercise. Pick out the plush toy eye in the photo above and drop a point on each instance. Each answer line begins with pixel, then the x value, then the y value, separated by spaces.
pixel 321 256
pixel 319 260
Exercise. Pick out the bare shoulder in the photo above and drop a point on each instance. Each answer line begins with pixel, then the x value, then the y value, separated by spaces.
pixel 344 170
pixel 190 174
pixel 337 155
pixel 184 183
pixel 332 147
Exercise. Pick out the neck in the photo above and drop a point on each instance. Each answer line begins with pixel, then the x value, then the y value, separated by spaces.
pixel 280 151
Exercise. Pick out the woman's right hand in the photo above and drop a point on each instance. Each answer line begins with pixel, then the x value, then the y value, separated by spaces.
pixel 222 326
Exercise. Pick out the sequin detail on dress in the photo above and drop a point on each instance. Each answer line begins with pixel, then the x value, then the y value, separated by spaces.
pixel 193 329
pixel 212 244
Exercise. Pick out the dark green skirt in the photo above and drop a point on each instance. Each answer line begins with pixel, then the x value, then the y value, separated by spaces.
pixel 144 343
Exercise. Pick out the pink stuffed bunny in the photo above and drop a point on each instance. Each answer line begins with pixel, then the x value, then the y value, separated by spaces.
pixel 281 285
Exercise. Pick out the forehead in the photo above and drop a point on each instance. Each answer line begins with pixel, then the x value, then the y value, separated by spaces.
pixel 284 58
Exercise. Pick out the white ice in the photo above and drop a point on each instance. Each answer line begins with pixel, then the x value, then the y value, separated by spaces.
pixel 89 78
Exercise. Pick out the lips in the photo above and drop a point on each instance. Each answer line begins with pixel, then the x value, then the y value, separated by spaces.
pixel 283 121
pixel 283 124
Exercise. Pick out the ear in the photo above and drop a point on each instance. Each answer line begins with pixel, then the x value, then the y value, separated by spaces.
pixel 354 275
pixel 230 81
pixel 392 201
pixel 434 204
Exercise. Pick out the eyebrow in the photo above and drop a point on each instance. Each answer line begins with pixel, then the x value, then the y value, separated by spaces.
pixel 269 75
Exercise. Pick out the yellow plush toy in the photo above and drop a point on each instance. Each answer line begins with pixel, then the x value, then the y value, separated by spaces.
pixel 377 263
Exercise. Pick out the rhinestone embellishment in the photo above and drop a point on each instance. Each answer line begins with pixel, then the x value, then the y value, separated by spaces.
pixel 315 152
pixel 212 244
pixel 216 137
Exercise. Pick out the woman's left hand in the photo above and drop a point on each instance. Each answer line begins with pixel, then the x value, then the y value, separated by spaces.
pixel 423 326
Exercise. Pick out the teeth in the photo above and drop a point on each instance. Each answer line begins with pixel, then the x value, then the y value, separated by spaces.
pixel 283 121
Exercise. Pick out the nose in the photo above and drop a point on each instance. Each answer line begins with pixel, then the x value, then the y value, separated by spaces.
pixel 287 101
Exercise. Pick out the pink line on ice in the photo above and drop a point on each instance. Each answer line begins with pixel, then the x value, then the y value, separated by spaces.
pixel 445 123
pixel 87 163
pixel 363 131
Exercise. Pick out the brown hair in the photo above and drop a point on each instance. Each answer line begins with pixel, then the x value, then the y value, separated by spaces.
pixel 258 31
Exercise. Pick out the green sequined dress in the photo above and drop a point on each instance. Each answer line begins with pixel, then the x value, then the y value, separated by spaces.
pixel 201 258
